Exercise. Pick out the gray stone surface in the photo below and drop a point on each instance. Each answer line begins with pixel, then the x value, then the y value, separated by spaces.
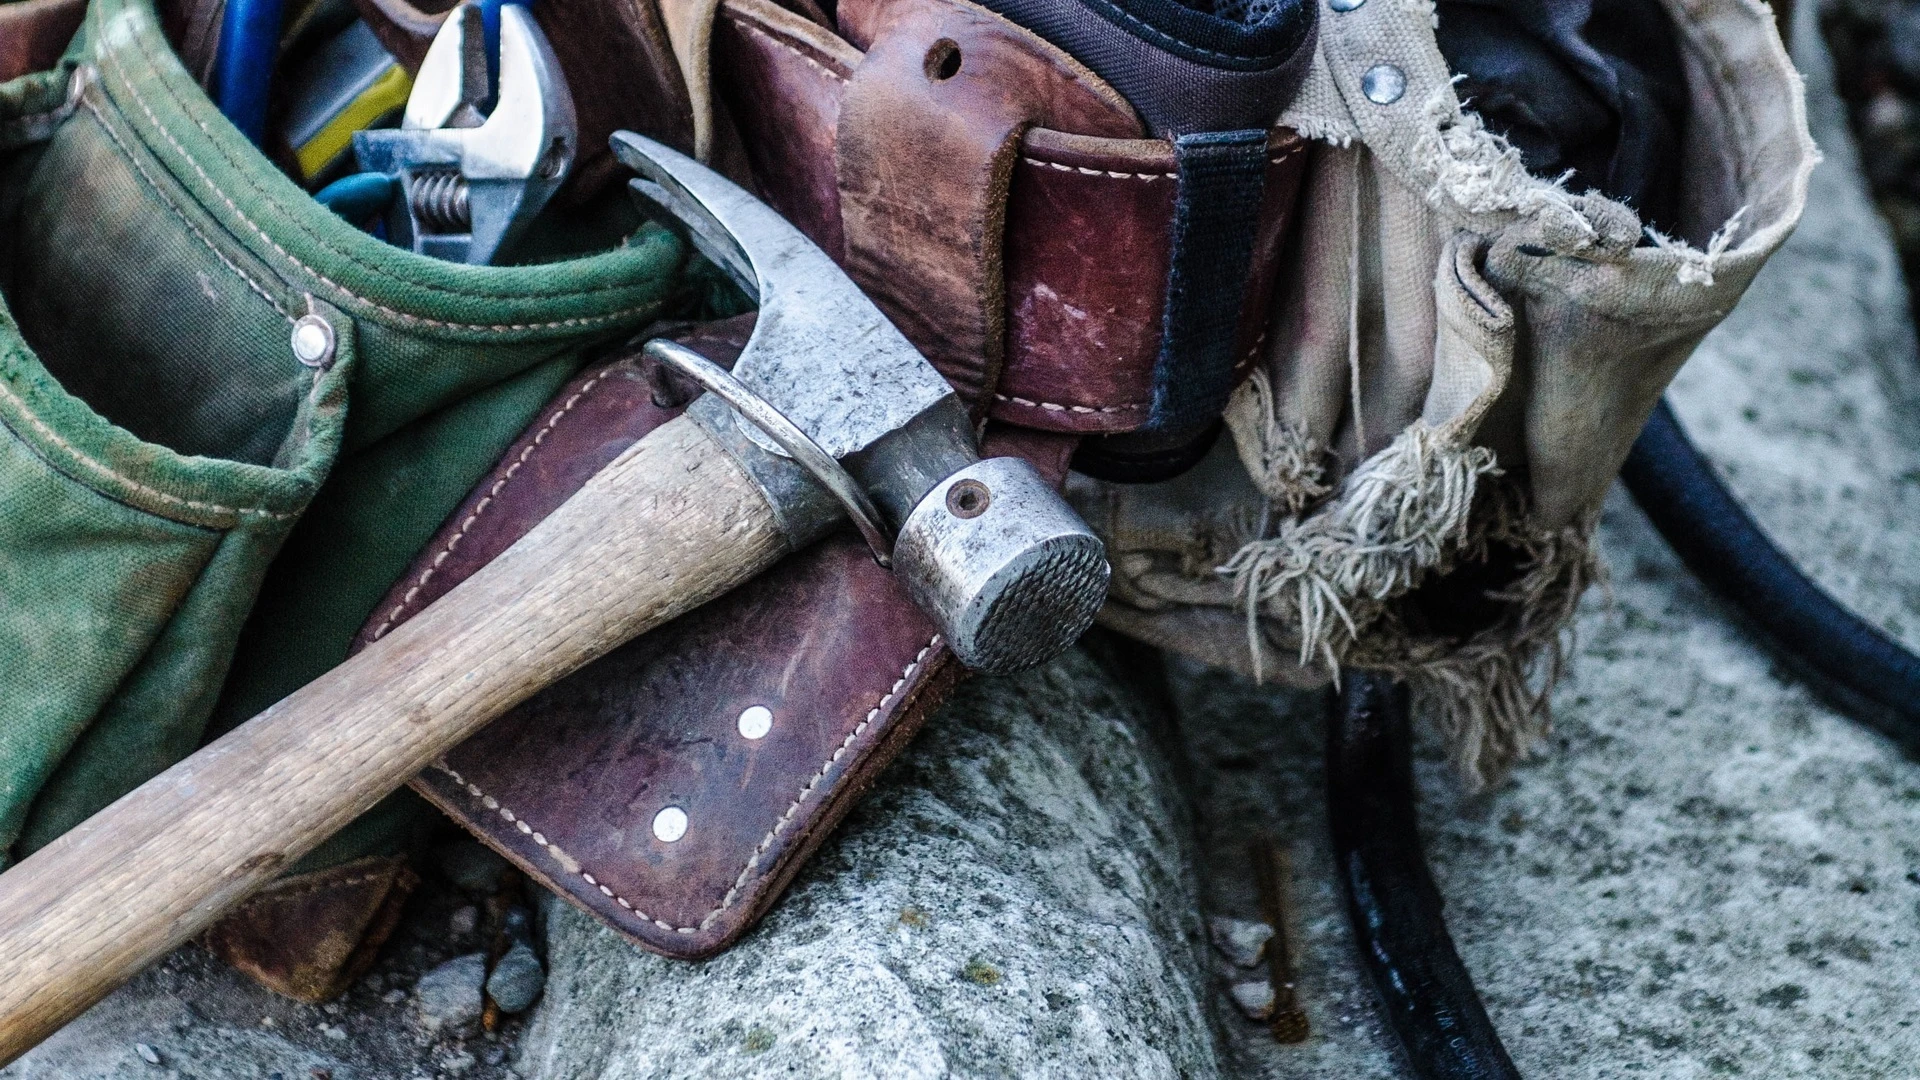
pixel 206 1022
pixel 1012 900
pixel 516 980
pixel 448 998
pixel 1808 396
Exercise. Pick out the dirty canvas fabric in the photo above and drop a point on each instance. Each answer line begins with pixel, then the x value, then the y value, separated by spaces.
pixel 160 441
pixel 1461 356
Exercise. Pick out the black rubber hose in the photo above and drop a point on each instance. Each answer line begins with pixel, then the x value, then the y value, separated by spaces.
pixel 1392 901
pixel 1843 658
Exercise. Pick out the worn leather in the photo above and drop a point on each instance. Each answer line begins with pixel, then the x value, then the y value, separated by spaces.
pixel 568 784
pixel 310 935
pixel 617 60
pixel 33 34
pixel 1088 213
pixel 924 217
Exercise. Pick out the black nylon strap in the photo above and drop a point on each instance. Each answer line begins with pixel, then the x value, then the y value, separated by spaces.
pixel 1222 177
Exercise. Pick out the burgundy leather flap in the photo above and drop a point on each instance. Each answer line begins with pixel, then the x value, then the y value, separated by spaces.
pixel 1088 224
pixel 929 133
pixel 572 785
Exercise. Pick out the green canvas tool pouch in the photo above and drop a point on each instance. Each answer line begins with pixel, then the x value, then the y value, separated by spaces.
pixel 195 357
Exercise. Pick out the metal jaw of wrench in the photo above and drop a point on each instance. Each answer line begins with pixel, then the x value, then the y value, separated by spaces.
pixel 471 184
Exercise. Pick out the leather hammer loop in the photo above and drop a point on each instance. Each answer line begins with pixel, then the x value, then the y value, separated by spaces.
pixel 1843 658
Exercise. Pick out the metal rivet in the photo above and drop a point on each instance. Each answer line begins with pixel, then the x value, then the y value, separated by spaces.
pixel 968 499
pixel 313 341
pixel 670 824
pixel 1383 84
pixel 1345 5
pixel 755 722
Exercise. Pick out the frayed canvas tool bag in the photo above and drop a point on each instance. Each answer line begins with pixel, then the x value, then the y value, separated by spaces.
pixel 202 369
pixel 1462 350
pixel 1436 373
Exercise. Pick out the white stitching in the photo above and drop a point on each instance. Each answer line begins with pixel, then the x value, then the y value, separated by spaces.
pixel 1051 406
pixel 167 201
pixel 406 601
pixel 1147 176
pixel 1099 172
pixel 191 504
pixel 789 46
pixel 766 842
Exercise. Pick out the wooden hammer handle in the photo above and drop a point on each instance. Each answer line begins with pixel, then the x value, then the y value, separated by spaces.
pixel 667 526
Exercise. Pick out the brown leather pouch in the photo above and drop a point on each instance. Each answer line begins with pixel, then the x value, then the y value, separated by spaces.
pixel 751 724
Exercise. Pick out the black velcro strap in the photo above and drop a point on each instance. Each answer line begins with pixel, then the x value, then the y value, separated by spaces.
pixel 1222 176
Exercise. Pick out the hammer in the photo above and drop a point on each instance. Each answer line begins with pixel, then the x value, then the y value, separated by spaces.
pixel 828 414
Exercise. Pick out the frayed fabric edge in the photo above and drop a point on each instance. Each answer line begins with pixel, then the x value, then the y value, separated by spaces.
pixel 1491 695
pixel 1283 462
pixel 1329 574
pixel 1419 507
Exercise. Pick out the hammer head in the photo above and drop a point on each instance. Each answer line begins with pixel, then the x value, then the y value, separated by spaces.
pixel 988 549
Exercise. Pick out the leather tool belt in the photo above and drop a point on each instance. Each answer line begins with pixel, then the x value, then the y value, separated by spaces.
pixel 1456 355
pixel 1016 220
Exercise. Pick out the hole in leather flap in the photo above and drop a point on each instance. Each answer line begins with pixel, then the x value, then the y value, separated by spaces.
pixel 943 60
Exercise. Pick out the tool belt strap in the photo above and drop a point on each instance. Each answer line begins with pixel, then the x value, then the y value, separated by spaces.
pixel 1024 237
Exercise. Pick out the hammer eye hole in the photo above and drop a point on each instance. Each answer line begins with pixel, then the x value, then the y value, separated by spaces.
pixel 968 499
pixel 943 60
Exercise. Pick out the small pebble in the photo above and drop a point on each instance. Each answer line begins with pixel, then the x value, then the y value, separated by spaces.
pixel 1255 999
pixel 495 1055
pixel 464 922
pixel 147 1053
pixel 337 1033
pixel 1239 940
pixel 517 980
pixel 457 1064
pixel 394 996
pixel 449 996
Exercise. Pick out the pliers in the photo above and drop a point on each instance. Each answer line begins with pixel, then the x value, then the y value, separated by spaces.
pixel 470 183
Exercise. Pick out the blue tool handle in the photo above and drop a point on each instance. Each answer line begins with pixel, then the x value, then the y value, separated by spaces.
pixel 359 197
pixel 243 66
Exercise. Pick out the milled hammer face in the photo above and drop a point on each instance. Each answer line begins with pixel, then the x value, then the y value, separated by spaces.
pixel 1006 569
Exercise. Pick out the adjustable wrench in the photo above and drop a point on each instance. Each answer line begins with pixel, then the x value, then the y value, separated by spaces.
pixel 471 184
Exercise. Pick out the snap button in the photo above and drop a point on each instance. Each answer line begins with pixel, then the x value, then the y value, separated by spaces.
pixel 755 722
pixel 670 824
pixel 1345 5
pixel 313 341
pixel 1383 84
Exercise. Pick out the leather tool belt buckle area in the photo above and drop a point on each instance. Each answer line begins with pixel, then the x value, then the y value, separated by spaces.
pixel 1031 256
